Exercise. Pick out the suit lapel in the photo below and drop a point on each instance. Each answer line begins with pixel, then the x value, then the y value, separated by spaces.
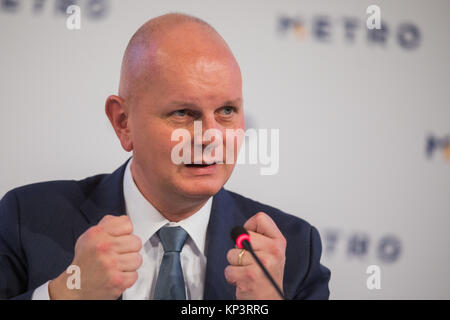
pixel 106 198
pixel 224 216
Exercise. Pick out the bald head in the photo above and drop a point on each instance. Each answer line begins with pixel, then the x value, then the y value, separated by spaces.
pixel 165 43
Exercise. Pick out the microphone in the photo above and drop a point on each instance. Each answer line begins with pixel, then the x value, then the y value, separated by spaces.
pixel 242 239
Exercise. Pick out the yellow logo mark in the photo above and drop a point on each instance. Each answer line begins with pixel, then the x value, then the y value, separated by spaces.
pixel 446 152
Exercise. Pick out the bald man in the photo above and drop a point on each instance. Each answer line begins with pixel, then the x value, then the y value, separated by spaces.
pixel 155 228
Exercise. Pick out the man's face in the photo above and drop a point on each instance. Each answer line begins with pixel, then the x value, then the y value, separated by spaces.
pixel 184 88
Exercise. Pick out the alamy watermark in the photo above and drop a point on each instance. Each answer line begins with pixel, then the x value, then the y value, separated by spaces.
pixel 74 280
pixel 252 145
pixel 374 20
pixel 374 280
pixel 73 21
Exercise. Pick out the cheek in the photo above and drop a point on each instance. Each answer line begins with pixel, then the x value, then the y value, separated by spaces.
pixel 233 144
pixel 153 140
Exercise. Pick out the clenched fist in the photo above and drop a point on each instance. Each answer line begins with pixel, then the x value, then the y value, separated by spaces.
pixel 270 247
pixel 108 257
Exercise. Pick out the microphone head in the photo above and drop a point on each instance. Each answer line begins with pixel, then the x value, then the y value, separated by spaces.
pixel 237 231
pixel 239 234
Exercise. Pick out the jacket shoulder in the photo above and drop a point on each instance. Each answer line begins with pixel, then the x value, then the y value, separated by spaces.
pixel 50 196
pixel 284 220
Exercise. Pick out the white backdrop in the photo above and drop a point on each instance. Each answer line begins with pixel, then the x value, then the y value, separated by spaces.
pixel 355 117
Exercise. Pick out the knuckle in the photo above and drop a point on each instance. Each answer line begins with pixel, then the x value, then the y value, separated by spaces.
pixel 126 223
pixel 138 260
pixel 132 280
pixel 242 291
pixel 106 218
pixel 263 260
pixel 111 264
pixel 117 292
pixel 128 226
pixel 125 217
pixel 250 274
pixel 229 255
pixel 117 280
pixel 283 241
pixel 102 247
pixel 133 244
pixel 277 251
pixel 228 273
pixel 129 280
pixel 93 232
pixel 260 215
pixel 270 262
pixel 137 243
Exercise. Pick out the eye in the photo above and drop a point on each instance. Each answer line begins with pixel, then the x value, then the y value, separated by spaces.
pixel 180 113
pixel 228 110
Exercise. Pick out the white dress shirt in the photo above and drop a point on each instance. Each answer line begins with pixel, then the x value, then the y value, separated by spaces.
pixel 146 222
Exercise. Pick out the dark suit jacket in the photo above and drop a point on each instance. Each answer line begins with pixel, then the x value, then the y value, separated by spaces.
pixel 40 223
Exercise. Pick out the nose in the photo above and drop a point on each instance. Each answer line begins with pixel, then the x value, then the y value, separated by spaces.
pixel 212 128
pixel 209 122
pixel 210 137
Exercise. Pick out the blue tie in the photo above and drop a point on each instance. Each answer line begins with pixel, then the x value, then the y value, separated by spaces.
pixel 170 282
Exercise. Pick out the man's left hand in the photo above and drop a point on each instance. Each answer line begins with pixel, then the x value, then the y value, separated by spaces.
pixel 270 247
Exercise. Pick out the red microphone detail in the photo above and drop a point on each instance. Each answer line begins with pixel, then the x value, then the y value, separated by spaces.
pixel 241 238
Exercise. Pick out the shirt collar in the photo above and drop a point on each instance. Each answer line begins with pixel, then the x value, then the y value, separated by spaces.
pixel 147 220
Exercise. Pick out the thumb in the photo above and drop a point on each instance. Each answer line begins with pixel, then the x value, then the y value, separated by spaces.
pixel 263 224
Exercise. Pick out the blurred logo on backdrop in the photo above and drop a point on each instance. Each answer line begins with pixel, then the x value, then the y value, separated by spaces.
pixel 350 30
pixel 360 245
pixel 92 9
pixel 435 144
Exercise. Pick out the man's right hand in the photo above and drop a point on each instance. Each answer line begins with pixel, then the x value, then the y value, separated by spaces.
pixel 108 257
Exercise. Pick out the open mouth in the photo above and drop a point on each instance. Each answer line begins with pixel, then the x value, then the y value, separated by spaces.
pixel 203 165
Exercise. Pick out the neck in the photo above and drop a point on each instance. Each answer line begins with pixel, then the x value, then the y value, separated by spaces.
pixel 172 206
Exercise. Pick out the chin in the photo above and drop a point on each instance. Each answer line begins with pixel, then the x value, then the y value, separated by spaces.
pixel 200 189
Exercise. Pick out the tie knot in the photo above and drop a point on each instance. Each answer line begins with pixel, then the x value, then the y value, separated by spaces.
pixel 172 238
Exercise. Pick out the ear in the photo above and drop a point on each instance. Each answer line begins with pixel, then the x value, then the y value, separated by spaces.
pixel 117 114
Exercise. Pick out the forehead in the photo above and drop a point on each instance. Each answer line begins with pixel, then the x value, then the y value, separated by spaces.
pixel 195 78
pixel 201 71
pixel 189 62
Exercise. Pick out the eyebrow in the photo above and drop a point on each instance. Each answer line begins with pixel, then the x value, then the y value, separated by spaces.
pixel 186 104
pixel 233 102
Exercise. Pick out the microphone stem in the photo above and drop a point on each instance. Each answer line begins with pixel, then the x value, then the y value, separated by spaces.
pixel 247 246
